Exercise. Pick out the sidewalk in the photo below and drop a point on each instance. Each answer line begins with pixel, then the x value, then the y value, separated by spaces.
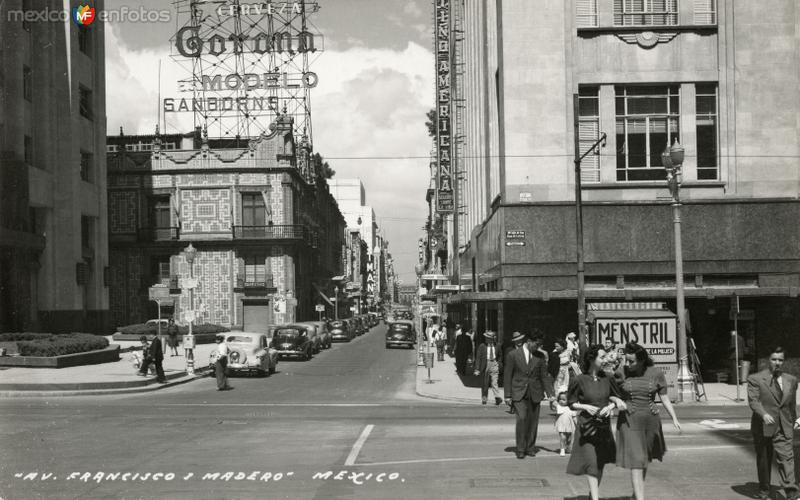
pixel 117 377
pixel 446 385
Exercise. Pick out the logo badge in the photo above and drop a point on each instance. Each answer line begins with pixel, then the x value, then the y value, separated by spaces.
pixel 83 15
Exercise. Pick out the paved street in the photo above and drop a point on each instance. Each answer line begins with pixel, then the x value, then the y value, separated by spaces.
pixel 345 425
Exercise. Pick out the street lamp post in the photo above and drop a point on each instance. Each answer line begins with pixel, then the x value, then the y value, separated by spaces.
pixel 336 299
pixel 190 253
pixel 581 285
pixel 672 159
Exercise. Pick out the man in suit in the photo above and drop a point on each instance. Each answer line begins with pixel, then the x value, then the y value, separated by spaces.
pixel 487 365
pixel 463 351
pixel 526 384
pixel 772 397
pixel 154 354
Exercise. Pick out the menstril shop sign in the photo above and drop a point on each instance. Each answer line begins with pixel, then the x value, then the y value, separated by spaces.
pixel 655 330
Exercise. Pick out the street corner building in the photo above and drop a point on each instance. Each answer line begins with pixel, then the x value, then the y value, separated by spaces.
pixel 269 235
pixel 540 81
pixel 53 218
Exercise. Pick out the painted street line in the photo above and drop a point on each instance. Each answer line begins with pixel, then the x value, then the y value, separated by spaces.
pixel 351 458
pixel 327 405
pixel 510 456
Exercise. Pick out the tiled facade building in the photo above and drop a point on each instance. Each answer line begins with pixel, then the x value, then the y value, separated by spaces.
pixel 268 233
pixel 53 241
pixel 647 72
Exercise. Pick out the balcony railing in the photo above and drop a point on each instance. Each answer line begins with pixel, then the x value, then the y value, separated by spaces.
pixel 246 283
pixel 159 233
pixel 294 232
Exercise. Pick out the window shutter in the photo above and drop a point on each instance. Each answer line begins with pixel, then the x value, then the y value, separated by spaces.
pixel 588 133
pixel 705 12
pixel 618 18
pixel 586 13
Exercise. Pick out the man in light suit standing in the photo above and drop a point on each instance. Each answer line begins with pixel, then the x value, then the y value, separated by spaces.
pixel 772 397
pixel 526 384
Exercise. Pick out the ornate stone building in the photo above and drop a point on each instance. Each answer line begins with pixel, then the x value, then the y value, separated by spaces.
pixel 268 233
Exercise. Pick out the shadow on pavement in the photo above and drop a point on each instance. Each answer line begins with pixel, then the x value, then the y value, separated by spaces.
pixel 749 490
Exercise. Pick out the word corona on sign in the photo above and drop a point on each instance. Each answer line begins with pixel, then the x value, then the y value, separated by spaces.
pixel 190 44
pixel 444 198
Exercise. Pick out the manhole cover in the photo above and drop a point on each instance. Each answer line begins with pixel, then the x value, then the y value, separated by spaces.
pixel 518 482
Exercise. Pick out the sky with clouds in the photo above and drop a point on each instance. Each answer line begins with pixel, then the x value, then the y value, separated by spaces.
pixel 376 82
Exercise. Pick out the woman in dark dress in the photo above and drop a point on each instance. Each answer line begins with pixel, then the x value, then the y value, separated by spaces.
pixel 594 396
pixel 172 337
pixel 640 439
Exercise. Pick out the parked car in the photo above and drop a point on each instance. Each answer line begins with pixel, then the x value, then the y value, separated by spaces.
pixel 292 341
pixel 311 332
pixel 155 322
pixel 340 331
pixel 360 325
pixel 323 333
pixel 248 352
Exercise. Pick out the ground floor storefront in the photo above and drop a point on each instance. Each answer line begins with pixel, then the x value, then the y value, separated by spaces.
pixel 763 322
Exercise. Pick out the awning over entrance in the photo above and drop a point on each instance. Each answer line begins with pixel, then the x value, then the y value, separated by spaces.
pixel 322 294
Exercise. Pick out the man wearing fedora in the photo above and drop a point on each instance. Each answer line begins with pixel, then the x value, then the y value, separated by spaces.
pixel 487 365
pixel 526 384
pixel 772 397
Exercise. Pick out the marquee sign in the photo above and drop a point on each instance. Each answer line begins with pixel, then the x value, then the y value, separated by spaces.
pixel 444 195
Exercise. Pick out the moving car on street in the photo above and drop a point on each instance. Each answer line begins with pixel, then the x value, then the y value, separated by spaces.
pixel 340 331
pixel 248 352
pixel 292 341
pixel 401 333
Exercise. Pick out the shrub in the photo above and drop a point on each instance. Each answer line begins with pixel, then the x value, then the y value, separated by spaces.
pixel 13 337
pixel 204 328
pixel 144 329
pixel 48 345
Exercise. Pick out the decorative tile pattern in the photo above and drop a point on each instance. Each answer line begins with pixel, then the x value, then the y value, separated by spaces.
pixel 122 212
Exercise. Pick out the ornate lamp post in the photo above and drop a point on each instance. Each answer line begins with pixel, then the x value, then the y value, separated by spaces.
pixel 336 300
pixel 190 253
pixel 672 159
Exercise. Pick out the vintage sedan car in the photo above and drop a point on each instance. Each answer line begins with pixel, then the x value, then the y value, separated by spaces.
pixel 323 333
pixel 292 341
pixel 248 352
pixel 340 331
pixel 312 332
pixel 401 333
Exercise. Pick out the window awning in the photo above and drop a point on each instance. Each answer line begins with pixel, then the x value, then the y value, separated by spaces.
pixel 322 294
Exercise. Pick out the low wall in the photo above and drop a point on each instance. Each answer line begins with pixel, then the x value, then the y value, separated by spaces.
pixel 107 355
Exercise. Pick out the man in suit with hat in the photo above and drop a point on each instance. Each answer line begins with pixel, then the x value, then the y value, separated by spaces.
pixel 488 361
pixel 772 397
pixel 526 384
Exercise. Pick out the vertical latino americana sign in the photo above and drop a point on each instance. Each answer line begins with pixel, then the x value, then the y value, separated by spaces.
pixel 444 195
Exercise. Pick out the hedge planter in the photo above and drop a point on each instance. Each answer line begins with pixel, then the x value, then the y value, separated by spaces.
pixel 201 338
pixel 107 355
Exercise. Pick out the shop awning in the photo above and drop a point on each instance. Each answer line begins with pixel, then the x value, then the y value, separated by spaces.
pixel 322 294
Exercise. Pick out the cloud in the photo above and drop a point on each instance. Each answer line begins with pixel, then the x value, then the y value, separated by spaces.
pixel 368 121
pixel 412 9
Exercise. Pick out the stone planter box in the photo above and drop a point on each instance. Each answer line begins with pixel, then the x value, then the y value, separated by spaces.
pixel 107 355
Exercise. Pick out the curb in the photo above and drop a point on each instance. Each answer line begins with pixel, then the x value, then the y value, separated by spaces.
pixel 199 373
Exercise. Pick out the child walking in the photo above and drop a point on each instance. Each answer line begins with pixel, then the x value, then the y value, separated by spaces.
pixel 565 423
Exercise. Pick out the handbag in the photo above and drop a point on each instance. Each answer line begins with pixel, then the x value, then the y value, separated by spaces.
pixel 594 426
